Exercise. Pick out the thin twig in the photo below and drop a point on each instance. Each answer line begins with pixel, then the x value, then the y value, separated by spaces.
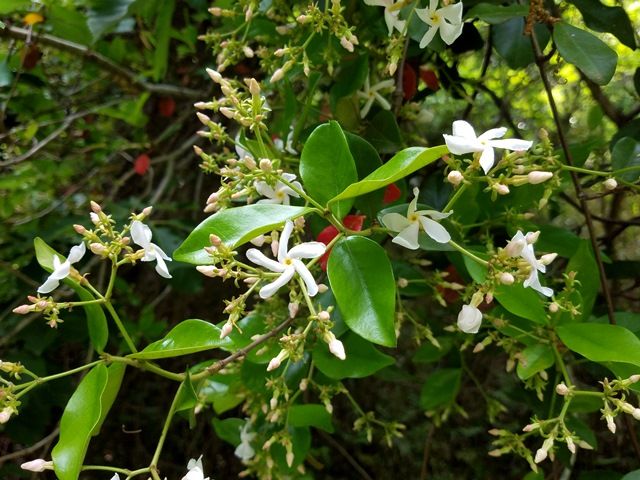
pixel 29 450
pixel 424 472
pixel 574 178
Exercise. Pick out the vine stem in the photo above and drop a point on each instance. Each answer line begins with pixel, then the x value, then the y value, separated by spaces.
pixel 466 252
pixel 540 62
pixel 153 467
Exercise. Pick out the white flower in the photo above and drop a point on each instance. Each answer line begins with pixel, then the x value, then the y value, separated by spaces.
pixel 288 262
pixel 469 319
pixel 280 193
pixel 336 347
pixel 195 470
pixel 37 465
pixel 5 414
pixel 115 477
pixel 141 235
pixel 391 11
pixel 245 451
pixel 447 20
pixel 61 270
pixel 370 94
pixel 521 245
pixel 464 140
pixel 409 226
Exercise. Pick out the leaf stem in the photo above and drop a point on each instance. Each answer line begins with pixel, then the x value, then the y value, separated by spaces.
pixel 153 468
pixel 466 252
pixel 454 198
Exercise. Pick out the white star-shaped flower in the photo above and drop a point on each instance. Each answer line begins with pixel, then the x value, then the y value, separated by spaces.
pixel 61 270
pixel 464 140
pixel 521 245
pixel 245 451
pixel 141 235
pixel 195 471
pixel 409 226
pixel 447 20
pixel 280 193
pixel 391 13
pixel 288 262
pixel 371 94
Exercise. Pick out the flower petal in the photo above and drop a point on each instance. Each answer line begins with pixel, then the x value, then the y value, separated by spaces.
pixel 384 103
pixel 493 133
pixel 259 258
pixel 160 252
pixel 459 145
pixel 469 319
pixel 140 233
pixel 274 201
pixel 49 285
pixel 408 237
pixel 289 177
pixel 435 230
pixel 534 282
pixel 453 13
pixel 395 222
pixel 264 189
pixel 428 36
pixel 307 250
pixel 283 244
pixel 62 270
pixel 384 84
pixel 305 274
pixel 436 215
pixel 270 289
pixel 449 32
pixel 76 253
pixel 462 128
pixel 513 144
pixel 487 159
pixel 367 107
pixel 161 267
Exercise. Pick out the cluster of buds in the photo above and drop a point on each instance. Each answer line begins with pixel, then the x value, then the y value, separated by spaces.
pixel 14 369
pixel 613 405
pixel 8 404
pixel 219 253
pixel 47 306
pixel 324 326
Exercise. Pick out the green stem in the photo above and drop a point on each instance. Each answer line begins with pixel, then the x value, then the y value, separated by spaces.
pixel 120 326
pixel 146 365
pixel 563 367
pixel 165 429
pixel 586 171
pixel 466 252
pixel 301 192
pixel 25 387
pixel 105 468
pixel 79 304
pixel 454 198
pixel 112 280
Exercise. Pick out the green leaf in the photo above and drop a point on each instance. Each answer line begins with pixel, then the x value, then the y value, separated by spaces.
pixel 104 15
pixel 601 342
pixel 351 77
pixel 494 14
pixel 429 353
pixel 223 391
pixel 187 396
pixel 189 336
pixel 583 262
pixel 129 111
pixel 383 132
pixel 362 360
pixel 229 429
pixel 521 301
pixel 402 164
pixel 234 226
pixel 310 415
pixel 6 76
pixel 367 160
pixel 68 23
pixel 626 154
pixel 327 167
pixel 80 417
pixel 115 374
pixel 534 359
pixel 440 388
pixel 635 475
pixel 12 6
pixel 586 51
pixel 162 36
pixel 96 319
pixel 602 18
pixel 513 45
pixel 362 281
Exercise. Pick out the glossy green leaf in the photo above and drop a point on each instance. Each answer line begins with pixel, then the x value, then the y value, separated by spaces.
pixel 362 281
pixel 189 336
pixel 494 14
pixel 521 301
pixel 68 23
pixel 402 164
pixel 350 78
pixel 187 396
pixel 513 45
pixel 104 15
pixel 250 326
pixel 234 226
pixel 441 388
pixel 310 415
pixel 607 19
pixel 223 391
pixel 534 359
pixel 583 262
pixel 362 360
pixel 327 167
pixel 79 419
pixel 586 51
pixel 367 160
pixel 383 132
pixel 229 429
pixel 96 319
pixel 601 342
pixel 626 154
pixel 115 374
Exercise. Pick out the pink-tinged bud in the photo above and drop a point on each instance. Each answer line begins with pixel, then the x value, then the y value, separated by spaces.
pixel 33 299
pixel 501 189
pixel 213 198
pixel 254 87
pixel 249 162
pixel 227 90
pixel 488 298
pixel 337 348
pixel 211 207
pixel 346 44
pixel 570 445
pixel 5 415
pixel 532 237
pixel 23 309
pixel 215 240
pixel 226 330
pixel 303 19
pixel 610 184
pixel 146 211
pixel 79 229
pixel 207 270
pixel 541 455
pixel 548 258
pixel 514 247
pixel 258 241
pixel 95 219
pixel 506 278
pixel 125 240
pixel 203 134
pixel 277 360
pixel 228 112
pixel 300 222
pixel 266 165
pixel 251 280
pixel 215 76
pixel 277 75
pixel 293 309
pixel 205 120
pixel 201 105
pixel 274 247
pixel 97 248
pixel 38 465
pixel 248 51
pixel 537 177
pixel 304 384
pixel 562 389
pixel 215 11
pixel 530 428
pixel 322 288
pixel 324 316
pixel 455 177
pixel 554 307
pixel 41 305
pixel 95 207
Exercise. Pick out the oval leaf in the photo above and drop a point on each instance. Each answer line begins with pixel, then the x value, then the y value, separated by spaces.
pixel 494 14
pixel 327 167
pixel 96 319
pixel 440 388
pixel 79 420
pixel 534 359
pixel 362 281
pixel 310 415
pixel 402 164
pixel 601 342
pixel 521 301
pixel 234 226
pixel 363 359
pixel 189 336
pixel 586 51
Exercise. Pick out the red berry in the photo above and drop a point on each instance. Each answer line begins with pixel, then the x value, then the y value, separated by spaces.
pixel 141 164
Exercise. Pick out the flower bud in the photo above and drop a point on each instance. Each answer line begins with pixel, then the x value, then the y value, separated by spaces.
pixel 570 445
pixel 277 75
pixel 548 258
pixel 636 413
pixel 216 12
pixel 200 106
pixel 79 229
pixel 207 270
pixel 455 177
pixel 346 44
pixel 227 328
pixel 303 19
pixel 95 219
pixel 227 112
pixel 610 184
pixel 335 346
pixel 562 389
pixel 537 177
pixel 5 414
pixel 634 379
pixel 249 162
pixel 469 319
pixel 403 282
pixel 506 278
pixel 23 309
pixel 254 87
pixel 554 307
pixel 205 120
pixel 324 316
pixel 280 52
pixel 304 384
pixel 211 207
pixel 215 240
pixel 322 288
pixel 611 425
pixel 277 360
pixel 293 309
pixel 501 189
pixel 38 465
pixel 266 165
pixel 97 248
pixel 95 207
pixel 215 76
pixel 248 51
pixel 532 237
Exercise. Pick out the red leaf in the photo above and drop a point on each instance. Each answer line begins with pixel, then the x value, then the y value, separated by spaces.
pixel 166 106
pixel 352 222
pixel 141 164
pixel 391 194
pixel 409 82
pixel 429 77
